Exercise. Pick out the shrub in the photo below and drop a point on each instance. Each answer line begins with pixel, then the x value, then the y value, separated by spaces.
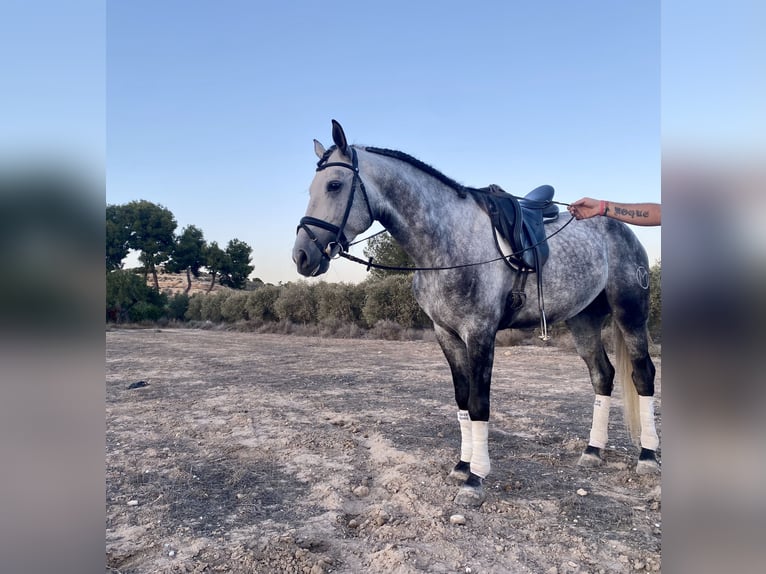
pixel 260 303
pixel 129 298
pixel 194 310
pixel 339 329
pixel 234 307
pixel 146 311
pixel 177 306
pixel 512 337
pixel 211 306
pixel 339 302
pixel 391 299
pixel 387 330
pixel 655 301
pixel 296 303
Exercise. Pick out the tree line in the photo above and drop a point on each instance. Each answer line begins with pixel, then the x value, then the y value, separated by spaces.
pixel 149 229
pixel 384 298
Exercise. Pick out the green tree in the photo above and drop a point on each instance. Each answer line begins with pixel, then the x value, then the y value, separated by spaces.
pixel 152 230
pixel 129 298
pixel 238 267
pixel 188 254
pixel 216 260
pixel 117 236
pixel 384 249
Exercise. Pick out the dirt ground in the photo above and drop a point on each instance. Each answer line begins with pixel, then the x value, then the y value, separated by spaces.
pixel 271 453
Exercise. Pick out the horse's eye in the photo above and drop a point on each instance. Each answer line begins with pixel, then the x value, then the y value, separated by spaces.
pixel 334 185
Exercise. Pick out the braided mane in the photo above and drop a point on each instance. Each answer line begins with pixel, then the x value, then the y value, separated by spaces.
pixel 424 167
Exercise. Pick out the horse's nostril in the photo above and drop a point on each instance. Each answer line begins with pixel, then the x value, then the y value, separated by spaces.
pixel 301 259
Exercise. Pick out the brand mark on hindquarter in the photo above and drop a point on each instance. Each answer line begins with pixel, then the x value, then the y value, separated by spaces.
pixel 642 275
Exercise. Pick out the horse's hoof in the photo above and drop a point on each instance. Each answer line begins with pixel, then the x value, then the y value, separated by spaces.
pixel 589 460
pixel 460 472
pixel 648 467
pixel 471 493
pixel 470 496
pixel 591 457
pixel 647 462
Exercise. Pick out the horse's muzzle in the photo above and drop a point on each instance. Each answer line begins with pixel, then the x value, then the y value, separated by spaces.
pixel 309 261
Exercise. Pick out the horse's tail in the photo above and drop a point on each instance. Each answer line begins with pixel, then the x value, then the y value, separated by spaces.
pixel 624 375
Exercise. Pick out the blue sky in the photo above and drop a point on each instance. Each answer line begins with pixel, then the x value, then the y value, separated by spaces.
pixel 714 78
pixel 211 107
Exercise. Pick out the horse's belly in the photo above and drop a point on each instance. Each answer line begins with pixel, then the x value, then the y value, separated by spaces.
pixel 559 300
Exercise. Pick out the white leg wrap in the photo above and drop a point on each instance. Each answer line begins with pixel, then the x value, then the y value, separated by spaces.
pixel 599 432
pixel 480 456
pixel 649 438
pixel 466 444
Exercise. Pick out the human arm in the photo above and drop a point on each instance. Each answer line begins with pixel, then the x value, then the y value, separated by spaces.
pixel 646 214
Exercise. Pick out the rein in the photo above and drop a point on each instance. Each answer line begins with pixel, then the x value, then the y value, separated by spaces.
pixel 371 265
pixel 340 246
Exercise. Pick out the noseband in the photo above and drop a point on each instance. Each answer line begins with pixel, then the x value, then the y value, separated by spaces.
pixel 340 243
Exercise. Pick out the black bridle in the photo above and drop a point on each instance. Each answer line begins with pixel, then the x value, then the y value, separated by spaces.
pixel 340 244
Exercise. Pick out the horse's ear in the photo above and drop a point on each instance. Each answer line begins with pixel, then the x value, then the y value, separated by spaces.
pixel 319 149
pixel 339 137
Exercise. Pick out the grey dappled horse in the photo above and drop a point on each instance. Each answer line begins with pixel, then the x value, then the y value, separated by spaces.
pixel 595 267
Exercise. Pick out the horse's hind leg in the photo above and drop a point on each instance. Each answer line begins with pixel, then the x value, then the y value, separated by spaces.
pixel 586 329
pixel 636 367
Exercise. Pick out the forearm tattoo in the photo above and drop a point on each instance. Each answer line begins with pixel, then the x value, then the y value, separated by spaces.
pixel 631 213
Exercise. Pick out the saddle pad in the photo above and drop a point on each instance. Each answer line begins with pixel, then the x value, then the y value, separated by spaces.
pixel 521 222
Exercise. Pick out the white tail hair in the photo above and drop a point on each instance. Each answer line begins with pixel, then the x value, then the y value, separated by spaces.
pixel 624 376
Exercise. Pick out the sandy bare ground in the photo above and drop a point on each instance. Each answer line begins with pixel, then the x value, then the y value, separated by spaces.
pixel 269 453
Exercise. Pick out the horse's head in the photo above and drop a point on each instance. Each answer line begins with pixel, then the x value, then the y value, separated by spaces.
pixel 338 210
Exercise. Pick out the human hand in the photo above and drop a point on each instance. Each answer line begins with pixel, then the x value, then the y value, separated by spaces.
pixel 585 208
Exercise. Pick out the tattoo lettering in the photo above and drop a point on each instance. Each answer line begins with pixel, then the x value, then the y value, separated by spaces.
pixel 632 213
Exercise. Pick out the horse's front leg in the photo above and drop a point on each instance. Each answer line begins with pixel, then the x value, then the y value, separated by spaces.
pixel 471 367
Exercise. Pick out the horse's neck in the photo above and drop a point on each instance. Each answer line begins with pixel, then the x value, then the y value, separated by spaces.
pixel 426 217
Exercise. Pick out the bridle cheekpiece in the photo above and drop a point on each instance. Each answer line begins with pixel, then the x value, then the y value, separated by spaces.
pixel 340 244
